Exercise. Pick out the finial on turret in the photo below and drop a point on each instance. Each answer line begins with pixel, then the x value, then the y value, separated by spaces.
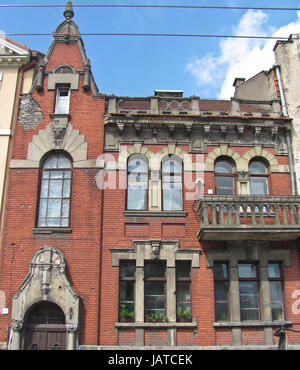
pixel 69 12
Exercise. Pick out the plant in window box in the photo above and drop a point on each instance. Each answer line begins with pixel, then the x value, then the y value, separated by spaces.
pixel 155 317
pixel 126 315
pixel 183 315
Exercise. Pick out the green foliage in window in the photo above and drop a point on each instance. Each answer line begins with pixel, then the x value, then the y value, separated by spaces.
pixel 126 315
pixel 183 315
pixel 155 317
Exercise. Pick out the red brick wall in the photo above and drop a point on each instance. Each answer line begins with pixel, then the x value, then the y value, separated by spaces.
pixel 82 246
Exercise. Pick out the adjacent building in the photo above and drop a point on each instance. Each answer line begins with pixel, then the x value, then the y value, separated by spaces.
pixel 153 222
pixel 17 64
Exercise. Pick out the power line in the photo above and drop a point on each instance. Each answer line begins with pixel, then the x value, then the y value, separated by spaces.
pixel 159 35
pixel 148 6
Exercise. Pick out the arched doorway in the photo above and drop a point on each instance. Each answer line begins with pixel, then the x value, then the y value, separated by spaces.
pixel 45 327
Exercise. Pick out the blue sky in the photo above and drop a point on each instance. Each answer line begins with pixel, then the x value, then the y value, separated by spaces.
pixel 136 66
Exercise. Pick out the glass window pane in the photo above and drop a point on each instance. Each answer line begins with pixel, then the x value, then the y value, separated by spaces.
pixel 247 270
pixel 156 270
pixel 136 176
pixel 43 208
pixel 42 222
pixel 171 166
pixel 127 269
pixel 172 199
pixel 65 208
pixel 44 189
pixel 54 208
pixel 126 291
pixel 55 189
pixel 183 270
pixel 51 161
pixel 183 292
pixel 223 166
pixel 221 291
pixel 277 310
pixel 249 314
pixel 53 221
pixel 137 165
pixel 56 175
pixel 276 291
pixel 67 189
pixel 63 162
pixel 220 271
pixel 67 174
pixel 249 301
pixel 221 311
pixel 224 185
pixel 136 196
pixel 154 297
pixel 65 222
pixel 259 185
pixel 274 270
pixel 258 167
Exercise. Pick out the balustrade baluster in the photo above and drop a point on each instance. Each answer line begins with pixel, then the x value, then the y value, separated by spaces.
pixel 284 205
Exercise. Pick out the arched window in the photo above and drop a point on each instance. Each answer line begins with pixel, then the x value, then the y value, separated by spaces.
pixel 172 184
pixel 55 191
pixel 224 176
pixel 137 183
pixel 46 313
pixel 258 177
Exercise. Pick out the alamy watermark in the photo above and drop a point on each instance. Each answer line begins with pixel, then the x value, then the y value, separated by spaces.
pixel 115 173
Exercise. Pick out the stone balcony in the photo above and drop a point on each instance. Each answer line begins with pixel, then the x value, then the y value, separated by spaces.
pixel 236 217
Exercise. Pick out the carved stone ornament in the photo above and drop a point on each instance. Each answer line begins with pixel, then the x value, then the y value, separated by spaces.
pixel 155 244
pixel 243 175
pixel 17 325
pixel 64 69
pixel 59 127
pixel 46 281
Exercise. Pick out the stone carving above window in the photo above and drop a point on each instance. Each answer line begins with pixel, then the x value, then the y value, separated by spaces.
pixel 64 69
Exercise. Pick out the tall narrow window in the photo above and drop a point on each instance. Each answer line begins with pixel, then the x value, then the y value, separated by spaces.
pixel 258 178
pixel 126 293
pixel 224 177
pixel 55 191
pixel 172 184
pixel 137 183
pixel 275 280
pixel 155 281
pixel 248 282
pixel 183 295
pixel 221 291
pixel 62 100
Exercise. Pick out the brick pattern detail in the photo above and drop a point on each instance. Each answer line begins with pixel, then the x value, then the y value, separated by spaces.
pixel 156 337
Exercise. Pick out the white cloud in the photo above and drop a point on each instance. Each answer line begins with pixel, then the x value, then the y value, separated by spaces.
pixel 240 57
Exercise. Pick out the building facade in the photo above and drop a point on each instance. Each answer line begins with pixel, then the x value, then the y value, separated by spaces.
pixel 17 65
pixel 157 222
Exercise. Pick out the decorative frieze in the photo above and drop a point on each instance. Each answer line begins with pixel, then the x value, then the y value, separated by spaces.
pixel 192 131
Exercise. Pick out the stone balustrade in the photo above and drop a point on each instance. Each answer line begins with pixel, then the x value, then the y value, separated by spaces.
pixel 236 217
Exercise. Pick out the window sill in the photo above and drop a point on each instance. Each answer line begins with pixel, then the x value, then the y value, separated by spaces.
pixel 254 323
pixel 134 213
pixel 52 230
pixel 166 325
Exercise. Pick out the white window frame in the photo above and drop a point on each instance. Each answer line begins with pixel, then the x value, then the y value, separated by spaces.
pixel 62 103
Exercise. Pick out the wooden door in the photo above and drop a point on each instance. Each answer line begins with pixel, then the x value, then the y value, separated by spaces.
pixel 45 328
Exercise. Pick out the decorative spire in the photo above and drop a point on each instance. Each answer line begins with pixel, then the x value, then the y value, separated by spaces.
pixel 69 13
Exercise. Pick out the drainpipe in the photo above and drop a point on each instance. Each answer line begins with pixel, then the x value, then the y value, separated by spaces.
pixel 288 135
